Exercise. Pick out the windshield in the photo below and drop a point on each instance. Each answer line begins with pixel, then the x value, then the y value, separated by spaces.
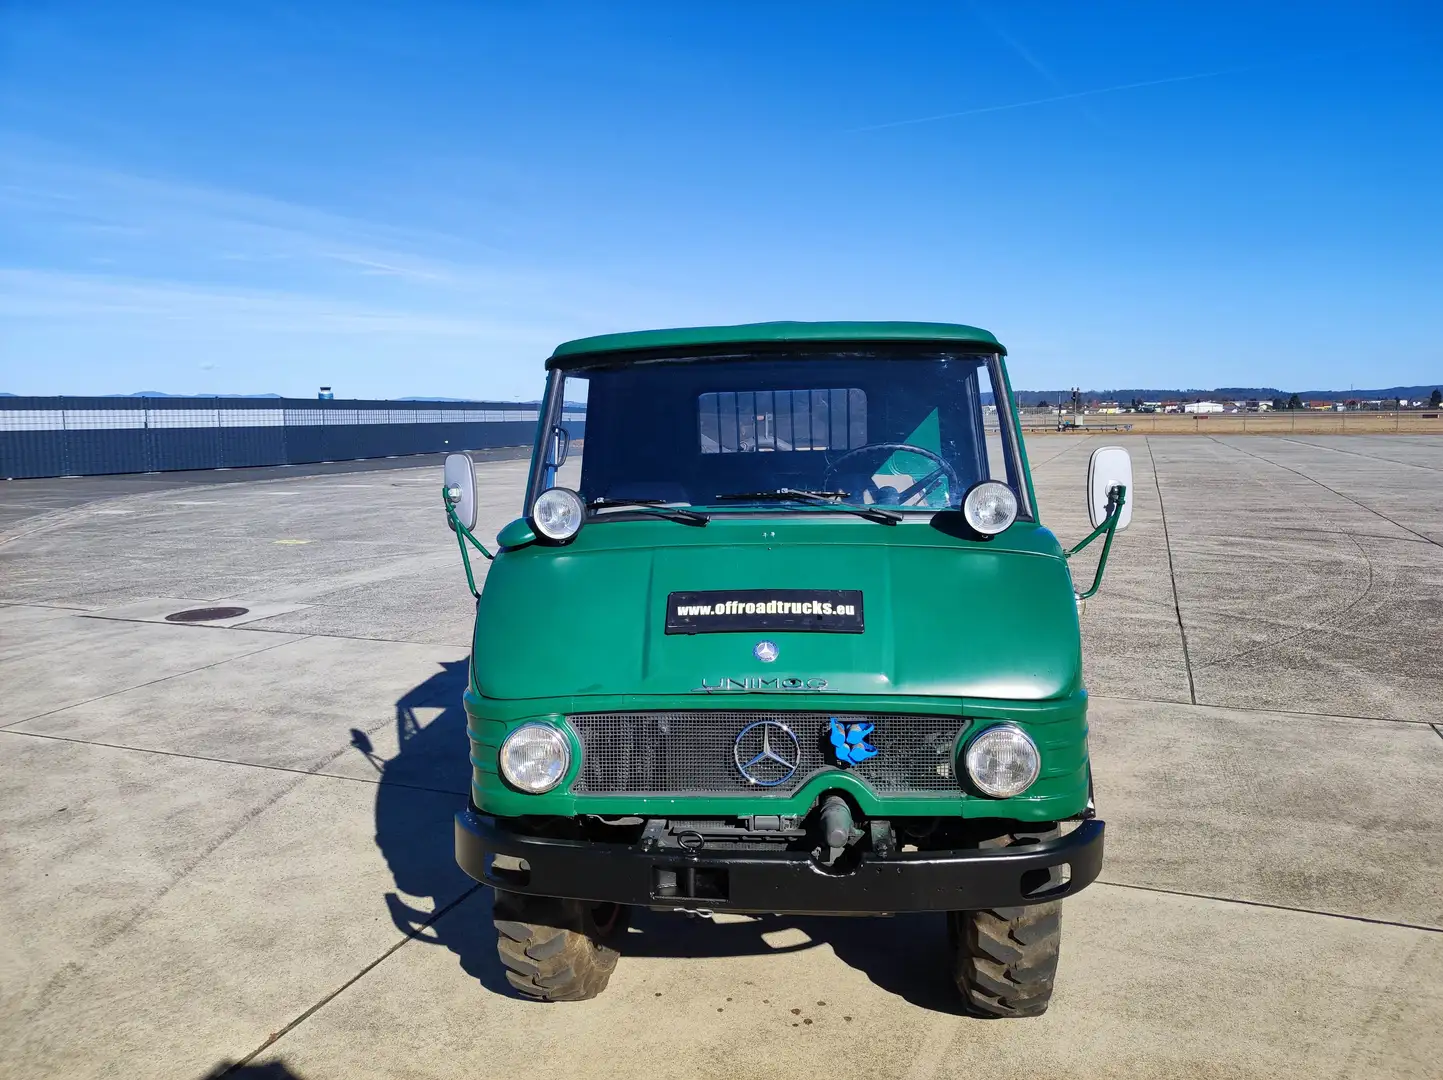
pixel 908 430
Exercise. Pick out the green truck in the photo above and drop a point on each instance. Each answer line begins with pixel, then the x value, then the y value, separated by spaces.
pixel 780 630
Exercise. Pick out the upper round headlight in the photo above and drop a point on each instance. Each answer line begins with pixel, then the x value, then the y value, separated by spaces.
pixel 989 507
pixel 1002 761
pixel 535 757
pixel 557 513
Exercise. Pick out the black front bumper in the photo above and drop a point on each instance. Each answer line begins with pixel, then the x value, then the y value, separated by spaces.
pixel 967 879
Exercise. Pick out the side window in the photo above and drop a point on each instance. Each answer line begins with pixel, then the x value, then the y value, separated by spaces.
pixel 572 437
pixel 992 428
pixel 1002 458
pixel 758 421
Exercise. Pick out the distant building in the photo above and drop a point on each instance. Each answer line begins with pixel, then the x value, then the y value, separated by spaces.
pixel 1203 407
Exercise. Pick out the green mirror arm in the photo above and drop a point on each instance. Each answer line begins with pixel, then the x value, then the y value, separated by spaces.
pixel 1109 528
pixel 466 562
pixel 463 535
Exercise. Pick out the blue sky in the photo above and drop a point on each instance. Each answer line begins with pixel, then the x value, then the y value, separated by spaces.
pixel 423 198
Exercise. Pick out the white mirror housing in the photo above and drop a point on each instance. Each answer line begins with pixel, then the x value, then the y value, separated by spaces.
pixel 460 480
pixel 1109 467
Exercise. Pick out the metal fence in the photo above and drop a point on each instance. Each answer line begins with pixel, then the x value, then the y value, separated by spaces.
pixel 78 436
pixel 1286 422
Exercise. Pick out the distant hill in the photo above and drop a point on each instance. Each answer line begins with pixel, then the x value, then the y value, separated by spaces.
pixel 162 393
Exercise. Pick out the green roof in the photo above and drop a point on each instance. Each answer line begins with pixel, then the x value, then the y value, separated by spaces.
pixel 575 353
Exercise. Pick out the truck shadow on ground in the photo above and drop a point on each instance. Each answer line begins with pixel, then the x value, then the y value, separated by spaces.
pixel 269 1070
pixel 903 955
pixel 426 781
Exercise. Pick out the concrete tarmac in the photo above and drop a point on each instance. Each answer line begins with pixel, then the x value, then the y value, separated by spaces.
pixel 230 847
pixel 21 500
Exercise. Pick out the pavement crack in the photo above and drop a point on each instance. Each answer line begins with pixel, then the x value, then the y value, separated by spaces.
pixel 1073 446
pixel 276 1036
pixel 1171 571
pixel 142 910
pixel 1302 713
pixel 256 628
pixel 1332 622
pixel 243 764
pixel 76 969
pixel 153 682
pixel 1334 491
pixel 1354 453
pixel 1275 907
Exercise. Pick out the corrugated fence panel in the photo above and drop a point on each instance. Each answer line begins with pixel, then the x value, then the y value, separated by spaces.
pixel 94 436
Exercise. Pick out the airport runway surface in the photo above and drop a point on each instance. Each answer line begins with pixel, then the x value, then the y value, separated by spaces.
pixel 231 845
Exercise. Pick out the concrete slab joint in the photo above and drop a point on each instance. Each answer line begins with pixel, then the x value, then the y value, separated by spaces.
pixel 226 848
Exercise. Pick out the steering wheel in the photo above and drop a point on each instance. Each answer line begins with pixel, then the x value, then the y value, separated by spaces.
pixel 890 496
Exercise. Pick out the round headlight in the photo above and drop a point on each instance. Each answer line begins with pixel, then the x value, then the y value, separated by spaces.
pixel 535 757
pixel 557 512
pixel 989 507
pixel 1002 761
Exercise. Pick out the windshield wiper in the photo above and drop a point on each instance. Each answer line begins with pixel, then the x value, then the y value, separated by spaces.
pixel 816 498
pixel 656 507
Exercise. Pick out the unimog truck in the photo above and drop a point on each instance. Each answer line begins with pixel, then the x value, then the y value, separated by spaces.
pixel 780 630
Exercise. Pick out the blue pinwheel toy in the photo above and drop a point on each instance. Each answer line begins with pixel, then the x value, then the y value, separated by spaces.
pixel 849 742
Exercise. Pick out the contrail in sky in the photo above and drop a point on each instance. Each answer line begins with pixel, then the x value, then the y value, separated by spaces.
pixel 1028 58
pixel 1048 100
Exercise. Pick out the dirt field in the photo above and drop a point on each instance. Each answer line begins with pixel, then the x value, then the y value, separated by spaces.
pixel 1302 422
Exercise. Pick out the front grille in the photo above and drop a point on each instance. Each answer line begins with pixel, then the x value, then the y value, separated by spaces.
pixel 695 752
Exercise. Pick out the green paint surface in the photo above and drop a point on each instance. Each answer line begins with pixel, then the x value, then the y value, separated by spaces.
pixel 980 630
pixel 954 626
pixel 681 339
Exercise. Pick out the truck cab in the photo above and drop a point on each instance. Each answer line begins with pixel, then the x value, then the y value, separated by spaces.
pixel 779 628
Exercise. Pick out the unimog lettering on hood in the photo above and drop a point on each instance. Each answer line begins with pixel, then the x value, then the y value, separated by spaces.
pixel 729 685
pixel 850 503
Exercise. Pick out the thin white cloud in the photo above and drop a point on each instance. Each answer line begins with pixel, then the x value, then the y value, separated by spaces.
pixel 186 222
pixel 1049 100
pixel 1028 57
pixel 42 295
pixel 176 231
pixel 110 281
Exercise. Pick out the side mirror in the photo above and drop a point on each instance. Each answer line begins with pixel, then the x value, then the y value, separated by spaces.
pixel 1109 467
pixel 460 480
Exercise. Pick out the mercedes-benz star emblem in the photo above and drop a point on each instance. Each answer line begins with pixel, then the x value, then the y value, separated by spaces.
pixel 766 651
pixel 767 753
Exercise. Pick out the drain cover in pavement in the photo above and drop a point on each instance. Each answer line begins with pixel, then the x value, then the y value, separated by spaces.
pixel 193 610
pixel 207 614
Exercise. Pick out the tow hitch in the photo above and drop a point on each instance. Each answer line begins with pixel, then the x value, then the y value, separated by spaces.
pixel 838 830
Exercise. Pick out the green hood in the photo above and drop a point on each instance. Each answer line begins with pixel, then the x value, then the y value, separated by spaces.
pixel 945 615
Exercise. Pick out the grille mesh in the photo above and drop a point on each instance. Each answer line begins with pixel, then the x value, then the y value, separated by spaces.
pixel 682 752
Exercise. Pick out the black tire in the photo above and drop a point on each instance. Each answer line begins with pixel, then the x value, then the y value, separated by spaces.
pixel 557 950
pixel 1004 960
